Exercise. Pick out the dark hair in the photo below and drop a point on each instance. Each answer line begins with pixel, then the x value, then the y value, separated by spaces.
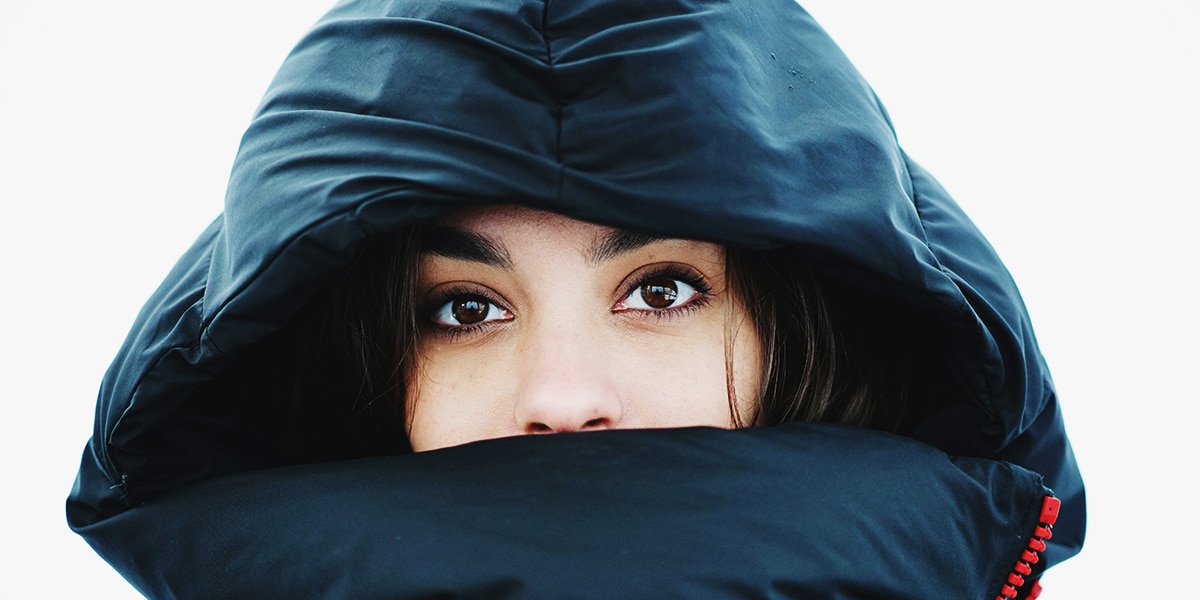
pixel 372 319
pixel 830 354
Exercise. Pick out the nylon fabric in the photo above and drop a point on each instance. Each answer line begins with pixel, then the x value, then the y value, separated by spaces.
pixel 737 122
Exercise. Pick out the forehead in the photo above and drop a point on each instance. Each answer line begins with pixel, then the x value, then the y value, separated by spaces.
pixel 505 220
pixel 498 235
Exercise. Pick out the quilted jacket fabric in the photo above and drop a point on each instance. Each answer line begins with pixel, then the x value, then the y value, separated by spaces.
pixel 738 122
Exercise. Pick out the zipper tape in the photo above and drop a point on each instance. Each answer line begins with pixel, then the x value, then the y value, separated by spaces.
pixel 1032 553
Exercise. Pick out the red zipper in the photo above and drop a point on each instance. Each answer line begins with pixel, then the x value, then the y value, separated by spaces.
pixel 1032 553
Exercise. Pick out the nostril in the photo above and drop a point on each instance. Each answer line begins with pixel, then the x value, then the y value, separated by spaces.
pixel 597 423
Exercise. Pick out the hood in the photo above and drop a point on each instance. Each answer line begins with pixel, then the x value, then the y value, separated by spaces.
pixel 735 122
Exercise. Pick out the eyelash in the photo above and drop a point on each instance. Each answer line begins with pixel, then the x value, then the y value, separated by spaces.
pixel 678 273
pixel 667 271
pixel 453 333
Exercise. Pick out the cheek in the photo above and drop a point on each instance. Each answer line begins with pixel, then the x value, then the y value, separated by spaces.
pixel 450 399
pixel 684 380
pixel 677 381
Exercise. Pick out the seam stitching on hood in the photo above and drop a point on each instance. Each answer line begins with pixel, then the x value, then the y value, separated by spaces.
pixel 117 474
pixel 989 392
pixel 556 95
pixel 203 340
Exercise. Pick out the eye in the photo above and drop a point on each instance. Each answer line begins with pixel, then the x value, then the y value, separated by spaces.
pixel 463 311
pixel 659 293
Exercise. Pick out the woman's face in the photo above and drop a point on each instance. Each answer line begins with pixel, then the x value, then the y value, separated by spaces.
pixel 538 323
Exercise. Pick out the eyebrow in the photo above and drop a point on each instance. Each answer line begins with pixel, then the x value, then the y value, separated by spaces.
pixel 618 242
pixel 451 242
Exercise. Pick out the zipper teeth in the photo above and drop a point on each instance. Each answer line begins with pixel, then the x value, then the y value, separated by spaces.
pixel 1032 553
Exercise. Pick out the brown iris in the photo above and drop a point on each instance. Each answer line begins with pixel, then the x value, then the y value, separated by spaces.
pixel 660 292
pixel 469 311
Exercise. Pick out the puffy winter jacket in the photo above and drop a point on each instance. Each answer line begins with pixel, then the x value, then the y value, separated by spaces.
pixel 738 122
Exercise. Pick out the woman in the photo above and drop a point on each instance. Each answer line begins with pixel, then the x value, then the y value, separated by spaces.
pixel 451 224
pixel 504 320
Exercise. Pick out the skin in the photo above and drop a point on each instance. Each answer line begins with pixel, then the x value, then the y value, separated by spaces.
pixel 538 323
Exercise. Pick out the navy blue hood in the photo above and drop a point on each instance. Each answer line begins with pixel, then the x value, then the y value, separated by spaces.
pixel 734 122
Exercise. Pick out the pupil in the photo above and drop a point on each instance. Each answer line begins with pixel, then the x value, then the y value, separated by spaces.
pixel 660 293
pixel 469 311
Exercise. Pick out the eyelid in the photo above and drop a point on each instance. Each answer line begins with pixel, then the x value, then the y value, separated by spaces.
pixel 436 298
pixel 444 314
pixel 443 292
pixel 677 271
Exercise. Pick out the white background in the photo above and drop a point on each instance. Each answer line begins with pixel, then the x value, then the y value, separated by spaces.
pixel 1068 130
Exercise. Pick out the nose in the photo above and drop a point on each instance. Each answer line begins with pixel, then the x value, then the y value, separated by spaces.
pixel 565 385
